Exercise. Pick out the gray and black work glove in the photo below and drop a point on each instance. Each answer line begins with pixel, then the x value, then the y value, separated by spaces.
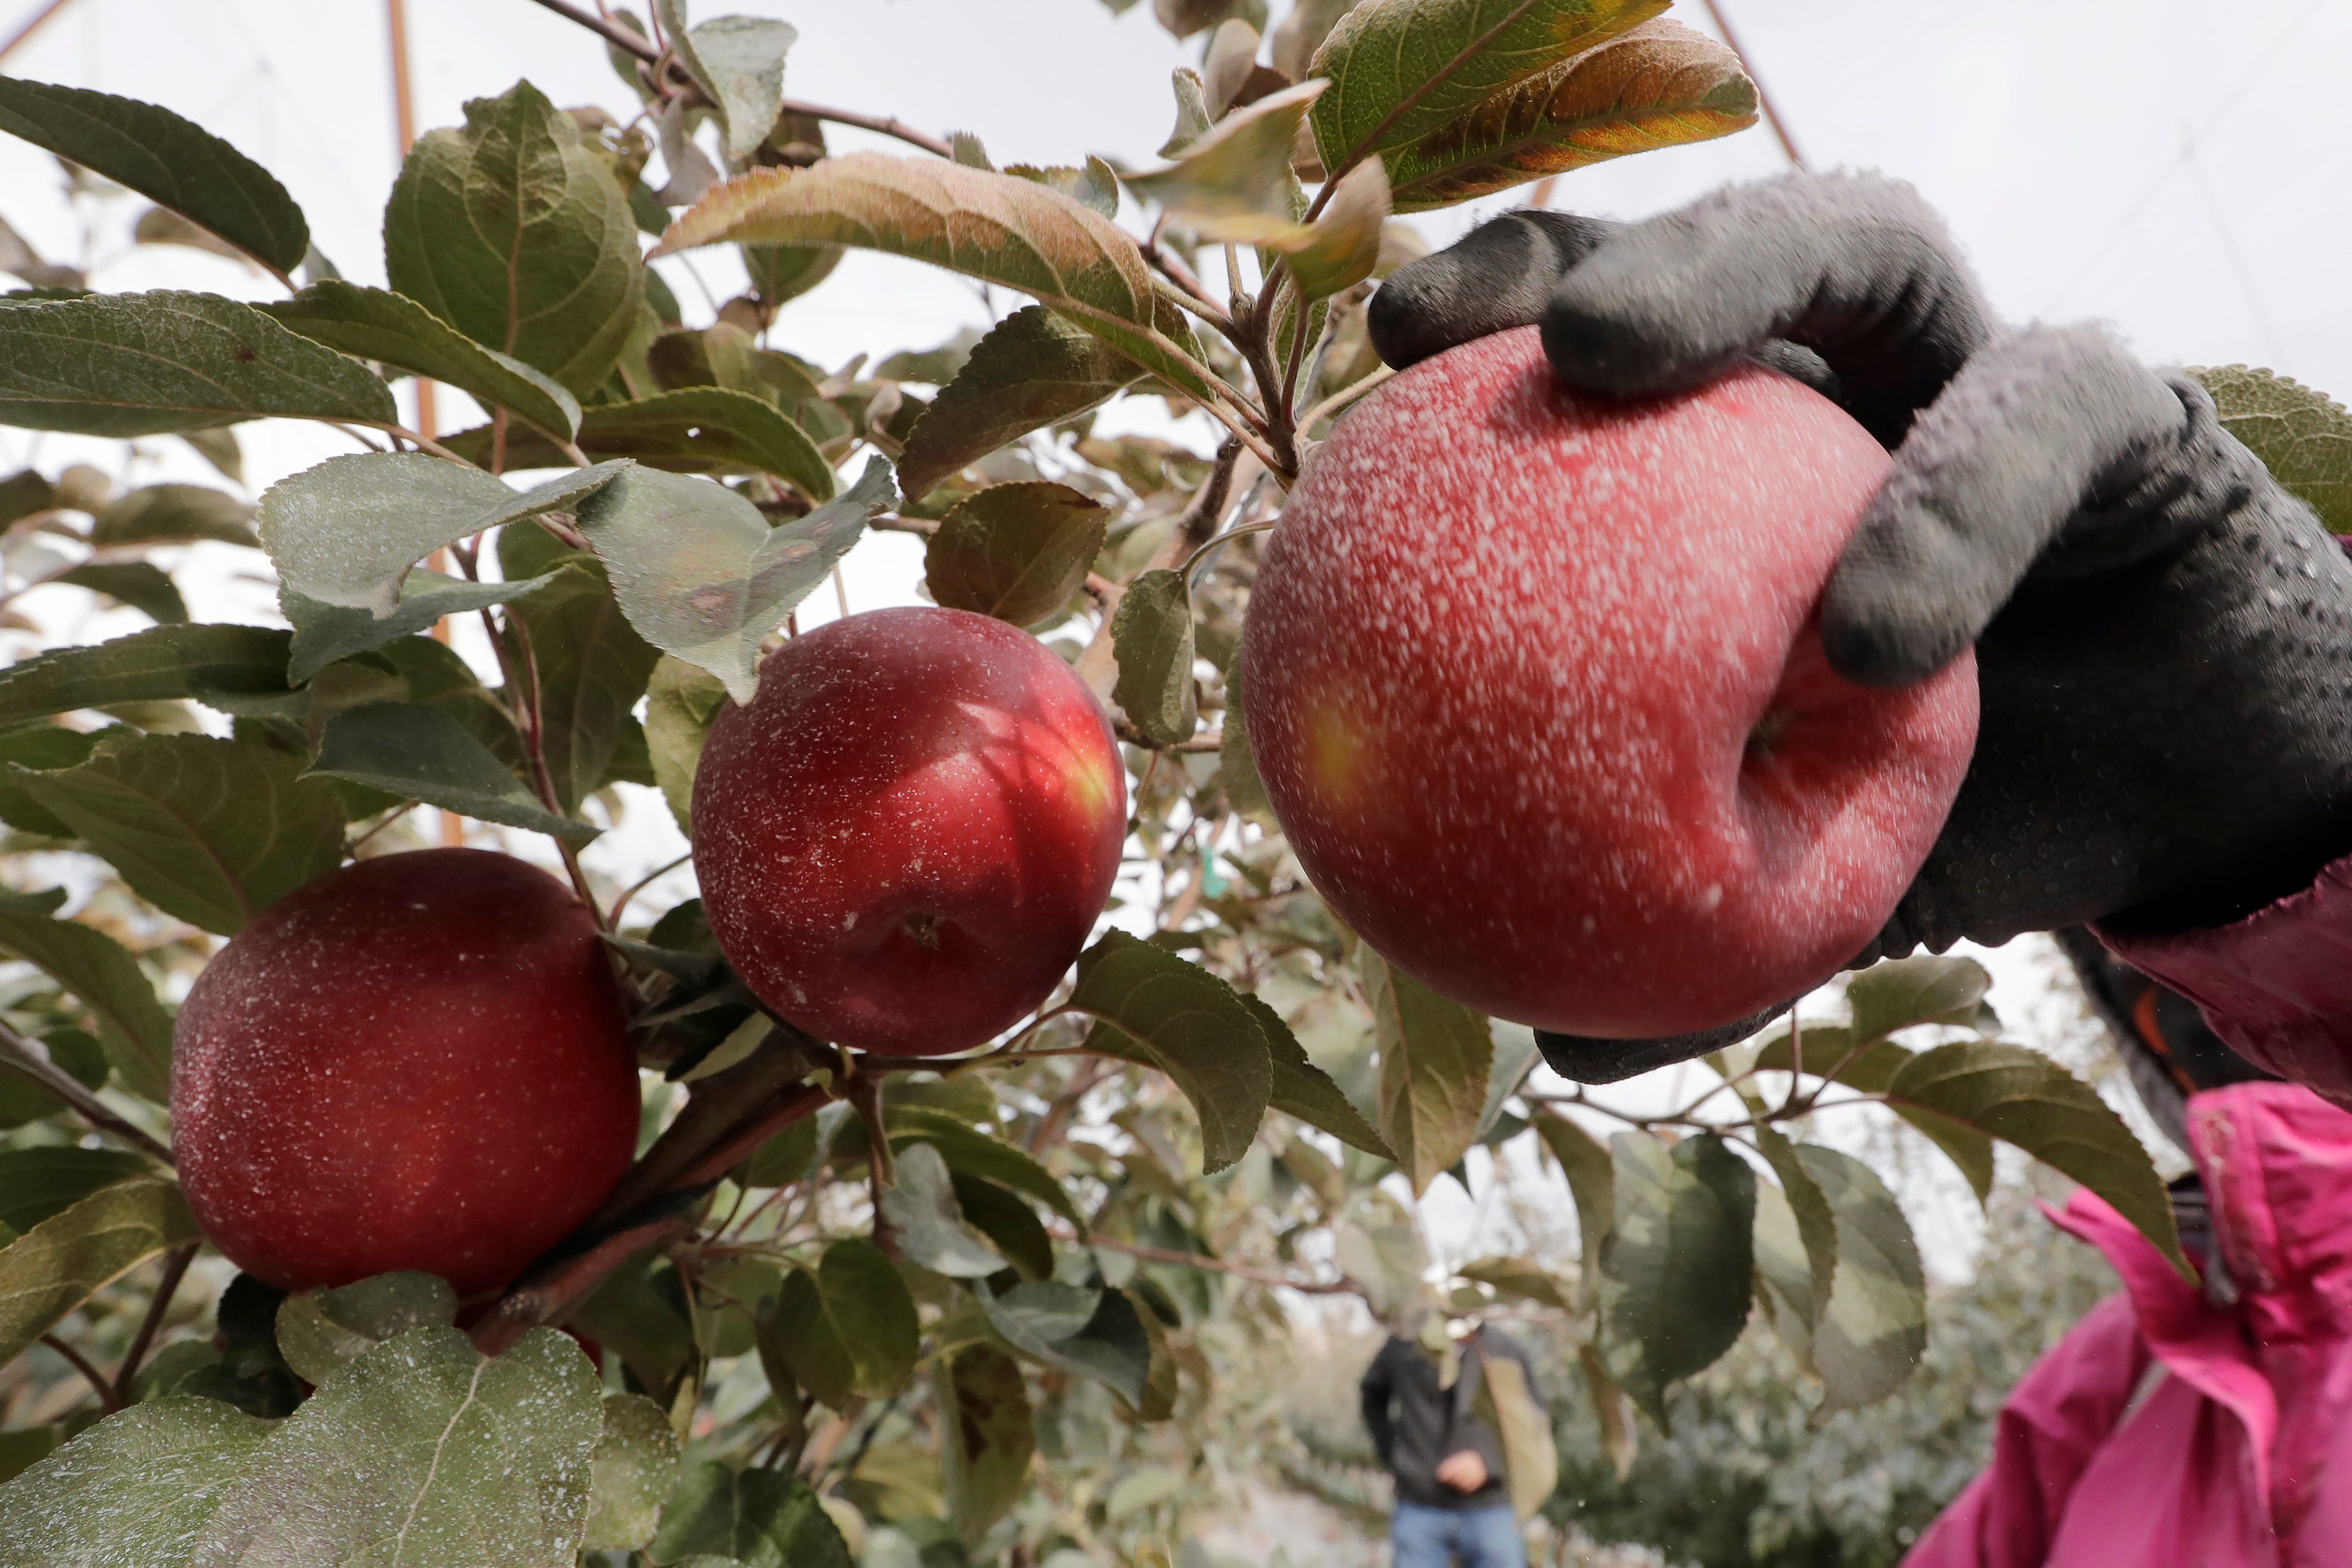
pixel 2163 634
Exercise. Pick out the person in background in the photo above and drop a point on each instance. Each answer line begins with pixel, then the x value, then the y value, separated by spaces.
pixel 1420 1402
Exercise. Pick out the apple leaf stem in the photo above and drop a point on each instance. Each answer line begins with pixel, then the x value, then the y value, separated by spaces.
pixel 17 1052
pixel 175 1268
pixel 91 1374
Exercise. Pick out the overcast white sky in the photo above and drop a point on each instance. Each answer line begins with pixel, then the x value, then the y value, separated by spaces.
pixel 2179 169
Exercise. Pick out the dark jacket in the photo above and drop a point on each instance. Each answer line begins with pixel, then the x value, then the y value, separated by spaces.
pixel 1415 1424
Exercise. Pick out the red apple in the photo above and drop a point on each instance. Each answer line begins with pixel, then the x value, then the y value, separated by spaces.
pixel 1536 685
pixel 418 1062
pixel 906 836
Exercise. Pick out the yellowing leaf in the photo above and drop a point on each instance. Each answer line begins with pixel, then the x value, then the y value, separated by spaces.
pixel 1660 85
pixel 1342 247
pixel 1401 69
pixel 1234 182
pixel 1001 228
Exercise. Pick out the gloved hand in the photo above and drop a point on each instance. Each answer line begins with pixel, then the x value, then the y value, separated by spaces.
pixel 2163 635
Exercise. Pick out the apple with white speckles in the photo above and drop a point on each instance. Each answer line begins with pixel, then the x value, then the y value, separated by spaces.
pixel 418 1062
pixel 1536 687
pixel 905 838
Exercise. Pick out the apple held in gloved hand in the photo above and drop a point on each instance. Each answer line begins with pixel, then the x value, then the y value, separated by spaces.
pixel 420 1062
pixel 905 838
pixel 1536 686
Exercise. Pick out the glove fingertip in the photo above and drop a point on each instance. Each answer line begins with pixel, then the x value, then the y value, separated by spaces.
pixel 1904 601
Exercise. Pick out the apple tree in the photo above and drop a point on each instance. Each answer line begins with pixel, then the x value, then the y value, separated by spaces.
pixel 984 1300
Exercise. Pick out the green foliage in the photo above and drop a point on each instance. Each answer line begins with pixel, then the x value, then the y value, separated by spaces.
pixel 512 232
pixel 1033 1320
pixel 2303 436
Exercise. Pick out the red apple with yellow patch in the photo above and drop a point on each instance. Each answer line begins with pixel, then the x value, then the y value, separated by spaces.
pixel 1536 686
pixel 905 838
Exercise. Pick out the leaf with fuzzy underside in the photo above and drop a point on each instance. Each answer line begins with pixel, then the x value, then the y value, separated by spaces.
pixel 1032 370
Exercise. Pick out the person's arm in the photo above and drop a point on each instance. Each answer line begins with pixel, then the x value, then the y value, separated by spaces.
pixel 1378 1386
pixel 2053 1422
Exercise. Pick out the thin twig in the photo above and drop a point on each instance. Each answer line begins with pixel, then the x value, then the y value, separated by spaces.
pixel 91 1374
pixel 1208 546
pixel 17 1052
pixel 175 1268
pixel 642 883
pixel 637 42
pixel 1341 398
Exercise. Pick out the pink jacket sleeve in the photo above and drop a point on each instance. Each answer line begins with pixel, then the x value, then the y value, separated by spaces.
pixel 2059 1414
pixel 2277 985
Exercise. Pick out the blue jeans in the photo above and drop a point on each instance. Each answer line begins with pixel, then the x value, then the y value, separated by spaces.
pixel 1425 1537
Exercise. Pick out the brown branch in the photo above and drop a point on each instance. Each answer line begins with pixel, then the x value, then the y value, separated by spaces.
pixel 1216 1265
pixel 637 44
pixel 17 1052
pixel 91 1374
pixel 175 1268
pixel 548 1293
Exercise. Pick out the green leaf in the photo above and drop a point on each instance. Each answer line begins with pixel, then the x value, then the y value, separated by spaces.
pixel 40 1182
pixel 592 664
pixel 1401 68
pixel 414 752
pixel 141 585
pixel 68 1257
pixel 1784 1273
pixel 326 633
pixel 1032 370
pixel 1152 635
pixel 781 273
pixel 1519 1279
pixel 871 1309
pixel 682 701
pixel 1193 1027
pixel 42 747
pixel 739 64
pixel 969 1152
pixel 1010 1224
pixel 999 227
pixel 1902 992
pixel 393 330
pixel 986 1435
pixel 1875 1329
pixel 1094 1333
pixel 1303 1091
pixel 1435 1057
pixel 1675 1271
pixel 1386 1261
pixel 631 1472
pixel 212 831
pixel 2302 434
pixel 321 1332
pixel 700 574
pixel 759 1519
pixel 922 1207
pixel 145 364
pixel 513 232
pixel 172 514
pixel 138 1489
pixel 102 975
pixel 1657 85
pixel 168 160
pixel 690 430
pixel 162 664
pixel 1094 186
pixel 2024 1098
pixel 1016 551
pixel 1340 249
pixel 347 532
pixel 468 1461
pixel 1812 1221
pixel 796 1337
pixel 1234 182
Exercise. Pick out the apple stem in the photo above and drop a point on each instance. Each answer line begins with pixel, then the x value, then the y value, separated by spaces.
pixel 864 1092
